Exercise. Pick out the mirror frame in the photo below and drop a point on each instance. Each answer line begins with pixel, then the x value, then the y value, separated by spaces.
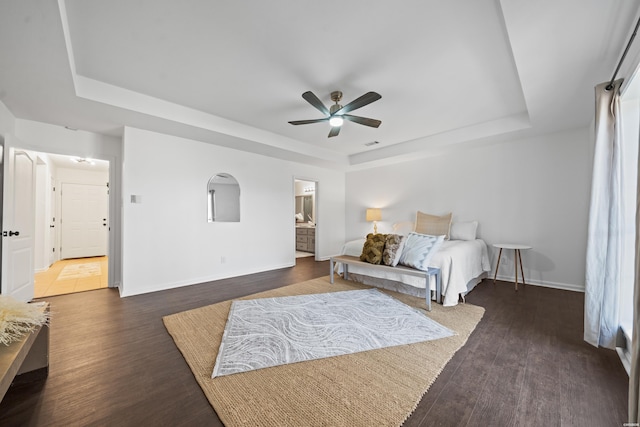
pixel 224 206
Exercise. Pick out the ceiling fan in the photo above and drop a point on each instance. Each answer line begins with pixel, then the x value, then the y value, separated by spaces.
pixel 337 114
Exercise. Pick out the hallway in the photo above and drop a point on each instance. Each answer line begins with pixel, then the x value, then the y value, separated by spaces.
pixel 72 275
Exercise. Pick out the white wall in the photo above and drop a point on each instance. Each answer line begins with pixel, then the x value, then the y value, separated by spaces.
pixel 533 191
pixel 167 241
pixel 7 120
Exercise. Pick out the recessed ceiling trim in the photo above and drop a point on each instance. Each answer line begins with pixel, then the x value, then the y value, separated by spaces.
pixel 105 93
pixel 421 146
pixel 130 100
pixel 62 6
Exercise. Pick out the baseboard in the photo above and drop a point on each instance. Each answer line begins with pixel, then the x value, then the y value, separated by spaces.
pixel 199 280
pixel 554 285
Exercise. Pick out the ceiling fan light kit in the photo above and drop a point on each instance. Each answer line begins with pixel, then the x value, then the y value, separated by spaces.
pixel 336 121
pixel 336 114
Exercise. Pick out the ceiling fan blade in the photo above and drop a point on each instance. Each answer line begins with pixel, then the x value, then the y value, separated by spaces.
pixel 313 100
pixel 306 122
pixel 334 131
pixel 363 120
pixel 365 99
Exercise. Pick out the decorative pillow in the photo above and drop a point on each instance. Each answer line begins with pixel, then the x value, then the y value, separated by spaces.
pixel 464 230
pixel 393 249
pixel 373 248
pixel 418 250
pixel 433 225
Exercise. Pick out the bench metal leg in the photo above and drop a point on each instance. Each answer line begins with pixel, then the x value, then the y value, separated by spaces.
pixel 331 266
pixel 428 295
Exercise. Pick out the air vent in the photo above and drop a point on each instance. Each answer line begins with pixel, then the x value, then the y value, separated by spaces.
pixel 369 144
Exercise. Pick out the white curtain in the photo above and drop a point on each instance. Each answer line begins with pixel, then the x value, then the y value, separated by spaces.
pixel 604 238
pixel 634 375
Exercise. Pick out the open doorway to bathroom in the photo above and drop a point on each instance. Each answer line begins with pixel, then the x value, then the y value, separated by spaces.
pixel 72 225
pixel 305 217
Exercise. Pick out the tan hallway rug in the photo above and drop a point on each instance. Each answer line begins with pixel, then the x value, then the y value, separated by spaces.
pixel 378 387
pixel 79 271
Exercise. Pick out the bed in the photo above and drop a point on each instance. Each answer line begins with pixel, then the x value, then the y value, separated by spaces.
pixel 462 263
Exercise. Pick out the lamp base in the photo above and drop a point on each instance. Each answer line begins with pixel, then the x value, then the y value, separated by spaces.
pixel 375 227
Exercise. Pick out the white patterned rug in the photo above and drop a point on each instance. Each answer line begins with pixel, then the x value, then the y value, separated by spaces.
pixel 262 333
pixel 78 271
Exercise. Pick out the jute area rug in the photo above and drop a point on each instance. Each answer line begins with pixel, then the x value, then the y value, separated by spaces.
pixel 79 271
pixel 373 388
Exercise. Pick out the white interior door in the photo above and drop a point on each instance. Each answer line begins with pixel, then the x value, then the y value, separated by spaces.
pixel 18 223
pixel 83 220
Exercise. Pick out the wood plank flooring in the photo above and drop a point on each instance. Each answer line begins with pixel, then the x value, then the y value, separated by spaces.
pixel 113 363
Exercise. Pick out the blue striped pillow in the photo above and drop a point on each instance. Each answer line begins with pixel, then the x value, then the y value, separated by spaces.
pixel 418 250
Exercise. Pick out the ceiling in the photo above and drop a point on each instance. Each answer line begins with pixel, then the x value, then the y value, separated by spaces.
pixel 451 74
pixel 78 163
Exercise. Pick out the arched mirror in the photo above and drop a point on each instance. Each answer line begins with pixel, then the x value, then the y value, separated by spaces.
pixel 223 198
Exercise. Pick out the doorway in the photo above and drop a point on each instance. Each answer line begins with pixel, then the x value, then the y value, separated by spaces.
pixel 72 225
pixel 305 203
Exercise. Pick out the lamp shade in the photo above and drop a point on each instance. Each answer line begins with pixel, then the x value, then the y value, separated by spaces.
pixel 374 214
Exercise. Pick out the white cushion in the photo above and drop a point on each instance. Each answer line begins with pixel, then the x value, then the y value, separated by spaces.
pixel 464 230
pixel 403 227
pixel 418 250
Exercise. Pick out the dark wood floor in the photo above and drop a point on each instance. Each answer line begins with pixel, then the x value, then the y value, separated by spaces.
pixel 113 363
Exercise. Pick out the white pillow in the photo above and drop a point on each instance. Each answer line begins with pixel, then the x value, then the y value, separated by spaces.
pixel 403 227
pixel 353 247
pixel 418 250
pixel 464 230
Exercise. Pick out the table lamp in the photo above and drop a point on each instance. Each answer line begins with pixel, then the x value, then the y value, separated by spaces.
pixel 374 214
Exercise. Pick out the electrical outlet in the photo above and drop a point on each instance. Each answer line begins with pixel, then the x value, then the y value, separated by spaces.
pixel 223 260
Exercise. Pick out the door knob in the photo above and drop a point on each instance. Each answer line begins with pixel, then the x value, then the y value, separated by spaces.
pixel 14 233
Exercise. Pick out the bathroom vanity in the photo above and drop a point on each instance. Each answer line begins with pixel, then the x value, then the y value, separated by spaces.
pixel 305 238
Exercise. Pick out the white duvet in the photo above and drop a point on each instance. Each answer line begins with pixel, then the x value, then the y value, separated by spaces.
pixel 459 261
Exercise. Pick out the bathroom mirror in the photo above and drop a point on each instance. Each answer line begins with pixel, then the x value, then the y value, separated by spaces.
pixel 223 198
pixel 304 205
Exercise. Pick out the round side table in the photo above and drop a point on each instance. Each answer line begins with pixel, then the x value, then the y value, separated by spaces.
pixel 518 257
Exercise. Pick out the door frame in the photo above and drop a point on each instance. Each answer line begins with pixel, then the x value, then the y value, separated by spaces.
pixel 115 223
pixel 316 208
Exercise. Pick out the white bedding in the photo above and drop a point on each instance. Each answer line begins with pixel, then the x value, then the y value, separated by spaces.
pixel 459 261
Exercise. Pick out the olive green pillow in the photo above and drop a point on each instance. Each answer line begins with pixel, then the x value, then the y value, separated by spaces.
pixel 373 248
